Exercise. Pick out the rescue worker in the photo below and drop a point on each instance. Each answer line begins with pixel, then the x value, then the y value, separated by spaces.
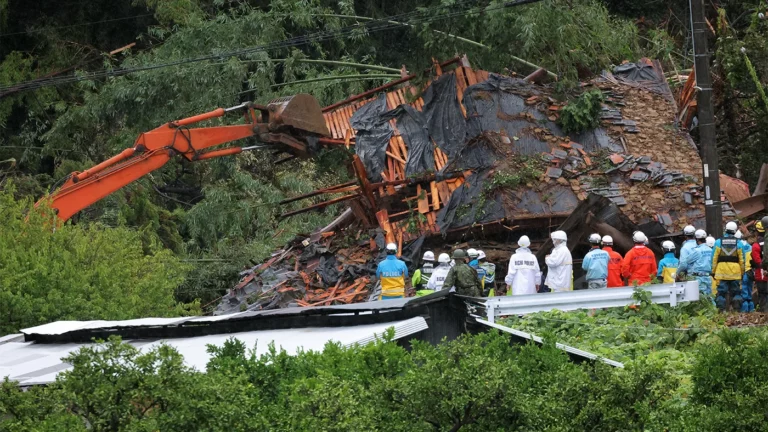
pixel 392 273
pixel 462 276
pixel 668 265
pixel 711 244
pixel 761 276
pixel 437 279
pixel 728 268
pixel 421 276
pixel 639 263
pixel 614 263
pixel 698 263
pixel 475 264
pixel 559 264
pixel 748 279
pixel 489 268
pixel 689 243
pixel 524 274
pixel 595 263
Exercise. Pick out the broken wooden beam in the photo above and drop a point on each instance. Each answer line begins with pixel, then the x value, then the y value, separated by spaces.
pixel 319 206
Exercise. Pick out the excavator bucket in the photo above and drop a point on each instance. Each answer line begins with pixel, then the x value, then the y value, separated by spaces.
pixel 301 111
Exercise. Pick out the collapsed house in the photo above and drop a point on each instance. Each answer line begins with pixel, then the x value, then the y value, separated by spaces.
pixel 478 157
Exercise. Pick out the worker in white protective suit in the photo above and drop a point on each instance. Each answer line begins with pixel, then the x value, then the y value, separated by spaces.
pixel 524 274
pixel 439 273
pixel 559 264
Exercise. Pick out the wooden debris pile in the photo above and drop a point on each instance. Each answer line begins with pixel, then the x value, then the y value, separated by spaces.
pixel 309 273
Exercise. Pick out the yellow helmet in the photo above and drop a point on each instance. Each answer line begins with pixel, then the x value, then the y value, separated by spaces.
pixel 759 227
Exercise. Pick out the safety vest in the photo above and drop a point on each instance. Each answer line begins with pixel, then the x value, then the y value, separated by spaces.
pixel 422 275
pixel 728 259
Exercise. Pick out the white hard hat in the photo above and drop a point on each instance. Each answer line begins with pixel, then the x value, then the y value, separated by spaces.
pixel 689 230
pixel 524 241
pixel 595 238
pixel 738 234
pixel 668 245
pixel 480 255
pixel 700 234
pixel 731 227
pixel 391 247
pixel 607 240
pixel 559 235
pixel 472 252
pixel 639 237
pixel 428 256
pixel 444 258
pixel 710 241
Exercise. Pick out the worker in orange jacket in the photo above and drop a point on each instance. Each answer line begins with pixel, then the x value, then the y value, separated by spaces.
pixel 640 262
pixel 614 263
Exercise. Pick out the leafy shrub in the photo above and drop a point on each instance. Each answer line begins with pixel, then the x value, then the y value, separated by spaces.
pixel 583 113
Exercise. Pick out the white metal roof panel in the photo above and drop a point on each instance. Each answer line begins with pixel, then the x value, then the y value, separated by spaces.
pixel 62 327
pixel 32 363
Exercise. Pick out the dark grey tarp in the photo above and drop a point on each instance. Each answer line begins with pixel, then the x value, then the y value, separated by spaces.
pixel 373 133
pixel 477 154
pixel 445 120
pixel 597 139
pixel 499 103
pixel 468 205
pixel 413 128
pixel 636 72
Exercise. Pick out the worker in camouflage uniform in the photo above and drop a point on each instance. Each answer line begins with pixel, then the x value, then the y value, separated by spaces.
pixel 462 276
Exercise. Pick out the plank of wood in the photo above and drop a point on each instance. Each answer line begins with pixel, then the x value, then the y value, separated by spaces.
pixel 343 125
pixel 423 200
pixel 396 157
pixel 461 86
pixel 391 101
pixel 383 218
pixel 329 124
pixel 471 77
pixel 435 196
pixel 348 138
pixel 444 192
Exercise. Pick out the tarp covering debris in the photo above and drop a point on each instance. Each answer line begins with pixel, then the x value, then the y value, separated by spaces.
pixel 373 133
pixel 469 204
pixel 445 121
pixel 413 127
pixel 498 104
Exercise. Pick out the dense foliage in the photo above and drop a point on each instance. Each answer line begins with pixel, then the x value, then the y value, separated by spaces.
pixel 476 383
pixel 79 272
pixel 222 215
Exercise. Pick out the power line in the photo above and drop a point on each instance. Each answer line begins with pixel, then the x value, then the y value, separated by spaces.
pixel 349 31
pixel 75 25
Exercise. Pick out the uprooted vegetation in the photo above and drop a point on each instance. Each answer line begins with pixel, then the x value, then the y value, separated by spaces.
pixel 517 170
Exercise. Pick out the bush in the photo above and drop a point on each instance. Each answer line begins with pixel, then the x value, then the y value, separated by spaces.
pixel 583 113
pixel 77 273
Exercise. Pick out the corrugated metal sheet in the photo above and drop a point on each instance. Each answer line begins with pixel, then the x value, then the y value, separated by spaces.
pixel 32 363
pixel 62 327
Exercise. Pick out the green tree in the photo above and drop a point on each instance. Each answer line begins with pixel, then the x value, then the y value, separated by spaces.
pixel 78 272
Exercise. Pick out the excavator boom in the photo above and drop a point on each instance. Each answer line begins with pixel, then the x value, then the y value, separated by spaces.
pixel 285 122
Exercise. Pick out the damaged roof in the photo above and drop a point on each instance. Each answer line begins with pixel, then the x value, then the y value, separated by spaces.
pixel 469 149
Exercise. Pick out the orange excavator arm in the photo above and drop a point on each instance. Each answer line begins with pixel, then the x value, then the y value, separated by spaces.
pixel 286 122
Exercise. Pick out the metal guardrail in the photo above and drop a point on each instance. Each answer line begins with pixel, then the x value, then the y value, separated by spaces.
pixel 672 294
pixel 567 348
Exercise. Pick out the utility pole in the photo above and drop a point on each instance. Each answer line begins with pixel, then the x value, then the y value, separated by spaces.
pixel 707 146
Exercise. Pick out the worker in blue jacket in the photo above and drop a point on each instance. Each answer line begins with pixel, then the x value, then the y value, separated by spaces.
pixel 668 265
pixel 474 262
pixel 595 263
pixel 698 263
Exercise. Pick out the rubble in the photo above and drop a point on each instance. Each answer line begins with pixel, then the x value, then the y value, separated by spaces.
pixel 474 151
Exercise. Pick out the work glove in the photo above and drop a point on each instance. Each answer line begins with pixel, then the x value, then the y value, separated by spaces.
pixel 751 274
pixel 680 276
